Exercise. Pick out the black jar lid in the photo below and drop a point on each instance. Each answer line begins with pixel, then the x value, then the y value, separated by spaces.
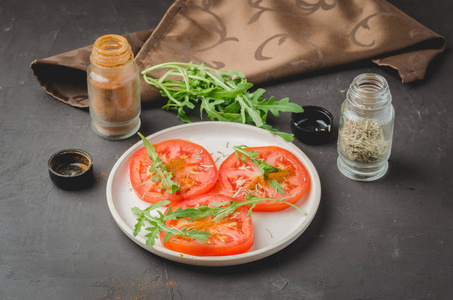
pixel 313 126
pixel 71 169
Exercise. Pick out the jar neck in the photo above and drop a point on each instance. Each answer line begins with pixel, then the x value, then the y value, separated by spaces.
pixel 110 51
pixel 369 92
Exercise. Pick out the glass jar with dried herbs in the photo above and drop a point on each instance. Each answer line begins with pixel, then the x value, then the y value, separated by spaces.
pixel 113 81
pixel 366 129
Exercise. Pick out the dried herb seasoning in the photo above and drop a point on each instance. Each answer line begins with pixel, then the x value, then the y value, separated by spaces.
pixel 363 141
pixel 366 128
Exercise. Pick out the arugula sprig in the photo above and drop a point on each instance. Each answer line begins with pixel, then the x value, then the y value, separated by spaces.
pixel 157 223
pixel 160 170
pixel 265 168
pixel 217 210
pixel 222 95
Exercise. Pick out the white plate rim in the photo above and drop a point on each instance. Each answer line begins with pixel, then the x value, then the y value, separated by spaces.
pixel 314 190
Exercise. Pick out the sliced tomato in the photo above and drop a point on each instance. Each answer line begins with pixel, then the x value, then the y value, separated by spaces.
pixel 192 166
pixel 229 236
pixel 239 179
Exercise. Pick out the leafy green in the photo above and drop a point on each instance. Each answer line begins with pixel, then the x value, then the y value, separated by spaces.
pixel 157 224
pixel 265 168
pixel 222 95
pixel 159 169
pixel 217 210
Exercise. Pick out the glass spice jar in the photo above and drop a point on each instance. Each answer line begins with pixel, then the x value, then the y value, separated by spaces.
pixel 366 129
pixel 113 88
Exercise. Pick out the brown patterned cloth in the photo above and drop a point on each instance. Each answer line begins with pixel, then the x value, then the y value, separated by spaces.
pixel 265 39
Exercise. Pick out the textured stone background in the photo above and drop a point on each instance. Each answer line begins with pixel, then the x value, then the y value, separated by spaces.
pixel 388 239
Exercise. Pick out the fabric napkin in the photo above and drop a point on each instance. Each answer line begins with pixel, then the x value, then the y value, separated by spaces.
pixel 265 39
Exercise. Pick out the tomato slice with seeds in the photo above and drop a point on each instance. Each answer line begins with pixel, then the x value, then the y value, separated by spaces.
pixel 229 236
pixel 239 179
pixel 192 166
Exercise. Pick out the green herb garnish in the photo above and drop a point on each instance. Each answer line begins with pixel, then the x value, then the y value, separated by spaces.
pixel 157 223
pixel 218 211
pixel 159 169
pixel 222 95
pixel 265 168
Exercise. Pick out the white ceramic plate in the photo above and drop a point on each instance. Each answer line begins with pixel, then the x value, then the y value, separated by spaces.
pixel 272 231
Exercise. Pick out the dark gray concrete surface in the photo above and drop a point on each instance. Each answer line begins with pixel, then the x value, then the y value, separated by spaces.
pixel 390 239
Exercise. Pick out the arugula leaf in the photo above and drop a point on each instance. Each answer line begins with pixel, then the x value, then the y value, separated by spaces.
pixel 277 106
pixel 217 210
pixel 265 168
pixel 222 95
pixel 159 169
pixel 276 186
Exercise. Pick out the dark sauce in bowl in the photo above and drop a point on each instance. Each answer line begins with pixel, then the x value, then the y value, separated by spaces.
pixel 313 126
pixel 71 169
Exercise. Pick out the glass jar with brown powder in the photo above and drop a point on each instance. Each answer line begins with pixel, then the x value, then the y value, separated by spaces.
pixel 113 88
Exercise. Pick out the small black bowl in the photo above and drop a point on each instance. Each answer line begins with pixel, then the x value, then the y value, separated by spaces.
pixel 71 169
pixel 313 126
